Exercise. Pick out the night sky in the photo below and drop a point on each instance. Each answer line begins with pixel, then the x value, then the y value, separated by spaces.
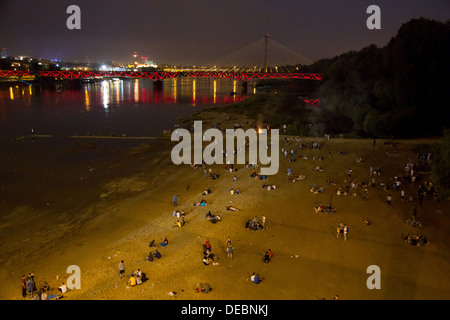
pixel 199 31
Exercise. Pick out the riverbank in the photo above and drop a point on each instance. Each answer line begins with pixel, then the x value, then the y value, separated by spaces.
pixel 309 262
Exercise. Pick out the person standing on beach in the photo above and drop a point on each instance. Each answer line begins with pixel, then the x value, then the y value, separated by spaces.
pixel 229 248
pixel 230 252
pixel 121 268
pixel 30 286
pixel 263 218
pixel 345 232
pixel 175 199
pixel 24 286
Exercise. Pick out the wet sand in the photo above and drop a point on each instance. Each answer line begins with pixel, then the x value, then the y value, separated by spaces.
pixel 309 262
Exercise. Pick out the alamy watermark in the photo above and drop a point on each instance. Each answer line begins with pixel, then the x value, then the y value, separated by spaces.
pixel 74 20
pixel 214 152
pixel 74 280
pixel 374 21
pixel 374 280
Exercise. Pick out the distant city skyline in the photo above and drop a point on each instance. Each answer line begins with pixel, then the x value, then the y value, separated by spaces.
pixel 180 32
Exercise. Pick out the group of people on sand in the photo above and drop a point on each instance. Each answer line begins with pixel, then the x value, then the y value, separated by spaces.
pixel 180 217
pixel 268 186
pixel 136 278
pixel 416 239
pixel 208 256
pixel 28 285
pixel 342 231
pixel 255 224
pixel 212 218
pixel 31 291
pixel 326 208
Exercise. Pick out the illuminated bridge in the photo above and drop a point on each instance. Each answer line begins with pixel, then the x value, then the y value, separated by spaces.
pixel 159 75
pixel 261 60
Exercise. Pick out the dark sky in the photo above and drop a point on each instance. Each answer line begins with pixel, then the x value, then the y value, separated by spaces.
pixel 199 31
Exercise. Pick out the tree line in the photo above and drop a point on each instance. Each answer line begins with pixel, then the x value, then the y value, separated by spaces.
pixel 399 90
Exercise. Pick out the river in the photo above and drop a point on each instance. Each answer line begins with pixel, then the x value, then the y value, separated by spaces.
pixel 59 173
pixel 133 107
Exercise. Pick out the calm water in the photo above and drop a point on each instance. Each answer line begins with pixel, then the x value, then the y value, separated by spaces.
pixel 56 173
pixel 133 107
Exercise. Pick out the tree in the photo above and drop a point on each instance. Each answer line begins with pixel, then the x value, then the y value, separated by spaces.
pixel 398 90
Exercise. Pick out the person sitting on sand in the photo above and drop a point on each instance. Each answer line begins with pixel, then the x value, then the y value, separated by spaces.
pixel 256 279
pixel 209 257
pixel 203 288
pixel 214 219
pixel 255 223
pixel 63 288
pixel 157 254
pixel 152 243
pixel 132 281
pixel 180 222
pixel 366 221
pixel 316 190
pixel 150 257
pixel 207 260
pixel 208 246
pixel 266 257
pixel 206 288
pixel 207 191
pixel 198 288
pixel 214 176
pixel 416 240
pixel 211 217
pixel 43 295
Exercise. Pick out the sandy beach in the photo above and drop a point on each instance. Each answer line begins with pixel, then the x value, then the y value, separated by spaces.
pixel 128 211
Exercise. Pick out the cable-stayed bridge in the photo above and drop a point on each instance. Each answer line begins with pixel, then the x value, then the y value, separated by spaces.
pixel 263 59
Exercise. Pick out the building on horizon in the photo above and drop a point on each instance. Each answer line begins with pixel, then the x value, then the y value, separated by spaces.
pixel 4 53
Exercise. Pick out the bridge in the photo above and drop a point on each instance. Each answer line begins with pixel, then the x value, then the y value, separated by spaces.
pixel 159 75
pixel 261 60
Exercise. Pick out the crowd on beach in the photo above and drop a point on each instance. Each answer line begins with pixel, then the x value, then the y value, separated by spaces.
pixel 403 184
pixel 42 291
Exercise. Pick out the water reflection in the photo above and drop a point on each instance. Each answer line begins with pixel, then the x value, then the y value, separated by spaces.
pixel 87 100
pixel 105 94
pixel 215 91
pixel 194 89
pixel 138 91
pixel 71 105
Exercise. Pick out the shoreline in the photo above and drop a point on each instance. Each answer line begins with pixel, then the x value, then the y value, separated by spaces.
pixel 308 260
